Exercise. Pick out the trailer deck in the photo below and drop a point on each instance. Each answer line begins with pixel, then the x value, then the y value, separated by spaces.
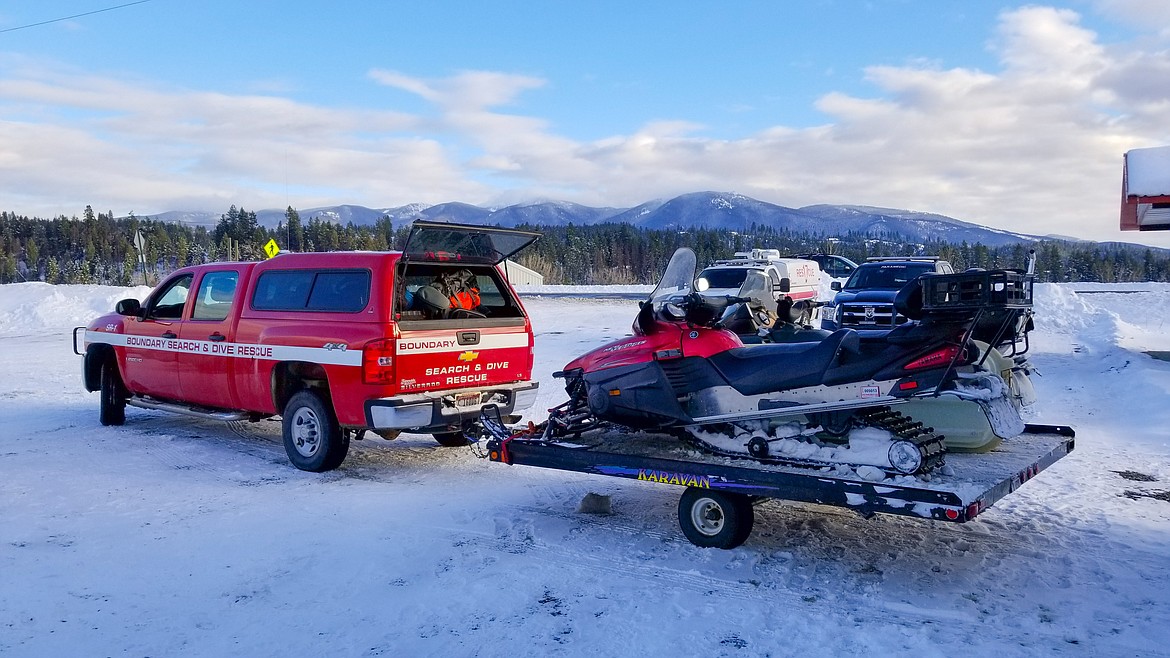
pixel 967 485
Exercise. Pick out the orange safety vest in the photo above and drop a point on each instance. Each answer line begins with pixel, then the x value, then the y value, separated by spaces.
pixel 468 299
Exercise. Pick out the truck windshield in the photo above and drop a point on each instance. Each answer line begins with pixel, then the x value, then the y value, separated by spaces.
pixel 886 276
pixel 725 278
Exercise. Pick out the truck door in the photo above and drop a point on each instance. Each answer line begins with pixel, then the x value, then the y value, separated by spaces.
pixel 205 369
pixel 149 365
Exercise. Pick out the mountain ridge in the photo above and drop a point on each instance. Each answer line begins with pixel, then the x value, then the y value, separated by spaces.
pixel 719 210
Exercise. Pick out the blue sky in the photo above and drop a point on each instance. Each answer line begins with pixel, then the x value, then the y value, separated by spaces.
pixel 1007 114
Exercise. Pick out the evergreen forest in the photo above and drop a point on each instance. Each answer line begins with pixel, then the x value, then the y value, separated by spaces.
pixel 99 248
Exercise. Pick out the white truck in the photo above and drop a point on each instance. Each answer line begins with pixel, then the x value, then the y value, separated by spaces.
pixel 796 278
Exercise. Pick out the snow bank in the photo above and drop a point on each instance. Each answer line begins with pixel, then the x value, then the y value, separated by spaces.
pixel 30 308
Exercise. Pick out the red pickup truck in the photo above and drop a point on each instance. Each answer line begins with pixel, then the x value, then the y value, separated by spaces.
pixel 335 343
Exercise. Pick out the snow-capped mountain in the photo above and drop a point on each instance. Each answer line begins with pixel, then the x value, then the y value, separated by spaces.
pixel 732 212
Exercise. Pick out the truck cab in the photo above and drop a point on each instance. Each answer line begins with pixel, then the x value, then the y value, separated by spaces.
pixel 865 302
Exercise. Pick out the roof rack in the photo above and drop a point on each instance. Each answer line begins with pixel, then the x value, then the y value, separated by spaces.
pixel 754 257
pixel 742 261
pixel 879 259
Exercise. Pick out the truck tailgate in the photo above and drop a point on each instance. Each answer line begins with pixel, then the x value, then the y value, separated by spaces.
pixel 437 359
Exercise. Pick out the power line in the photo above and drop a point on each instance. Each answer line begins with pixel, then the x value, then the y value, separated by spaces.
pixel 58 20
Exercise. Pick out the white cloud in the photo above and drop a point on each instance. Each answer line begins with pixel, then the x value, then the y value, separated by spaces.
pixel 1151 15
pixel 1033 146
pixel 470 91
pixel 78 139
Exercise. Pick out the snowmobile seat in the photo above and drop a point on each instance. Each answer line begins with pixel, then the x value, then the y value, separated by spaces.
pixel 761 369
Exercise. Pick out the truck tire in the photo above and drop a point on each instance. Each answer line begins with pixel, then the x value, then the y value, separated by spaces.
pixel 714 519
pixel 112 410
pixel 312 437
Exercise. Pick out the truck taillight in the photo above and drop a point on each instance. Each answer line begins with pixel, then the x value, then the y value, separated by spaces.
pixel 935 359
pixel 378 362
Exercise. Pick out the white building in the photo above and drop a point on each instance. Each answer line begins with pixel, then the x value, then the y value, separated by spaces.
pixel 519 275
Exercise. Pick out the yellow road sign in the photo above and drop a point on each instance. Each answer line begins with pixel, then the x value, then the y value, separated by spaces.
pixel 271 248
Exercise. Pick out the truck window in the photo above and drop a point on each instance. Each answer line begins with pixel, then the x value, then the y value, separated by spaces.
pixel 339 291
pixel 214 298
pixel 170 302
pixel 494 300
pixel 837 269
pixel 345 292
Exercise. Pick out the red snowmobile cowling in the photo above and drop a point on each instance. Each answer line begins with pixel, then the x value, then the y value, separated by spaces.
pixel 656 339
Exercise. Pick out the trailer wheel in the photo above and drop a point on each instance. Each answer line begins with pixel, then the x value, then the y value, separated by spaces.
pixel 312 438
pixel 112 410
pixel 713 519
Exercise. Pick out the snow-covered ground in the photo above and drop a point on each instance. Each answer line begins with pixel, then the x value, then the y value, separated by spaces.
pixel 176 537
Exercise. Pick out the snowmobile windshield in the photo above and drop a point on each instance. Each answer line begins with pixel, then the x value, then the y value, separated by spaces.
pixel 678 279
pixel 758 288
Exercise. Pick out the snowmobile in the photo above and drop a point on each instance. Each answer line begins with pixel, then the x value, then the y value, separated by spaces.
pixel 999 335
pixel 827 403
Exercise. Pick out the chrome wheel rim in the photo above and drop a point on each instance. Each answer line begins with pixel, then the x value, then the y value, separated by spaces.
pixel 306 432
pixel 707 516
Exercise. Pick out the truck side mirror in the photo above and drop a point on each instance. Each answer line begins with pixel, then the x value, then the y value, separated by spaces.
pixel 128 307
pixel 836 285
pixel 785 285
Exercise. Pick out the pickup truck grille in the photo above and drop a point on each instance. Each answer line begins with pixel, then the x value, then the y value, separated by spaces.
pixel 870 316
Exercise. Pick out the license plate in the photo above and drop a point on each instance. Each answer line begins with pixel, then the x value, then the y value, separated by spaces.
pixel 467 399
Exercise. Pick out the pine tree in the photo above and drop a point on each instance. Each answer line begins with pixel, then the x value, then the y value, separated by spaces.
pixel 294 232
pixel 8 271
pixel 32 258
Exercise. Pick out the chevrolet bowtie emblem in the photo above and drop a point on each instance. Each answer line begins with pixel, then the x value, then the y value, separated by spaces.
pixel 469 356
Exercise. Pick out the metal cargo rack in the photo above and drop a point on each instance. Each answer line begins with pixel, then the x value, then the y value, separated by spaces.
pixel 716 508
pixel 977 290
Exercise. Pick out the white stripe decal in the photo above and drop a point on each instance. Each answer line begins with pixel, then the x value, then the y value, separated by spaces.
pixel 448 343
pixel 333 357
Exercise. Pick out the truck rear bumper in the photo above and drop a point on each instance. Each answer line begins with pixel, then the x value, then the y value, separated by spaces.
pixel 441 410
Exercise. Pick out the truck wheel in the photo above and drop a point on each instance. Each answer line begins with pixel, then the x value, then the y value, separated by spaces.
pixel 713 519
pixel 312 438
pixel 113 396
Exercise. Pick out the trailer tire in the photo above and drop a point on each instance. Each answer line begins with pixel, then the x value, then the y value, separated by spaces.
pixel 714 519
pixel 313 439
pixel 112 409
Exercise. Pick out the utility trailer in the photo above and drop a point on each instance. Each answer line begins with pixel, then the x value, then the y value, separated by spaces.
pixel 716 508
